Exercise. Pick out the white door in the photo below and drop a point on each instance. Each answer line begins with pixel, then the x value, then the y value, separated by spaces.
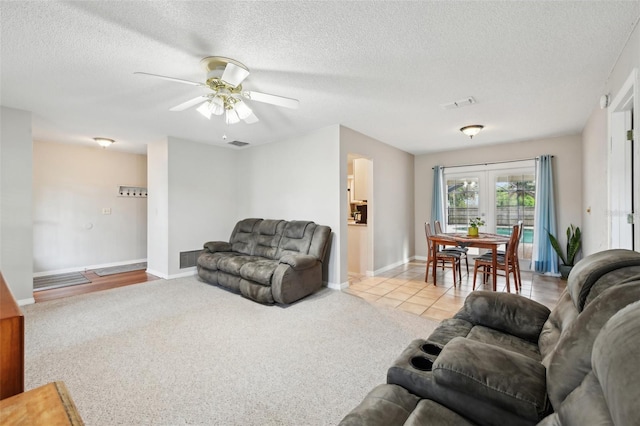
pixel 622 173
pixel 501 194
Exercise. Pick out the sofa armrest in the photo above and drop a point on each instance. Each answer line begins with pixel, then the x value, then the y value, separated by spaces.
pixel 509 313
pixel 216 246
pixel 299 262
pixel 492 376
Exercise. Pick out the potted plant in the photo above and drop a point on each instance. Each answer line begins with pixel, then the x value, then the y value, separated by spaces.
pixel 574 242
pixel 473 226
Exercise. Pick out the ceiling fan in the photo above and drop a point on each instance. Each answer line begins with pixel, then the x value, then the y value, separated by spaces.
pixel 224 79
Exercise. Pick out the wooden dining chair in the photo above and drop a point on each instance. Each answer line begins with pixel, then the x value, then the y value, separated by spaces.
pixel 463 251
pixel 505 263
pixel 440 256
pixel 517 259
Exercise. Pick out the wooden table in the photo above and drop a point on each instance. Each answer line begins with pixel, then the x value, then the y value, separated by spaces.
pixel 11 344
pixel 47 405
pixel 485 241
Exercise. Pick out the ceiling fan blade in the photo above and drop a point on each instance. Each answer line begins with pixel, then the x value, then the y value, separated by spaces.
pixel 272 99
pixel 234 75
pixel 251 119
pixel 177 80
pixel 189 103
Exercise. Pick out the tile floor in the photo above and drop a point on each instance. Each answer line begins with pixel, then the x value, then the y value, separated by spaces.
pixel 404 288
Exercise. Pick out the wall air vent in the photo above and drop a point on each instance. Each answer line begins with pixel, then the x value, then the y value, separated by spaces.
pixel 459 103
pixel 189 259
pixel 238 143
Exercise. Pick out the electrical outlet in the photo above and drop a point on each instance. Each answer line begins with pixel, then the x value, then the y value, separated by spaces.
pixel 106 210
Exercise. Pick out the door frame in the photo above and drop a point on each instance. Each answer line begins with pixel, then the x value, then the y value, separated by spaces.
pixel 620 205
pixel 487 174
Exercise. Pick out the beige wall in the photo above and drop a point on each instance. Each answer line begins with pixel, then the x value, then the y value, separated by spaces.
pixel 391 210
pixel 567 152
pixel 71 186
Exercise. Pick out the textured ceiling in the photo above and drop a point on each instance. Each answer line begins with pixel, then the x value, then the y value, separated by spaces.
pixel 536 69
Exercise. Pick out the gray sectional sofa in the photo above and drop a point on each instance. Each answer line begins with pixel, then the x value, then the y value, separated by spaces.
pixel 507 360
pixel 268 261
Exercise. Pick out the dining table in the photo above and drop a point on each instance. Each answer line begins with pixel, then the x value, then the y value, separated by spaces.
pixel 482 240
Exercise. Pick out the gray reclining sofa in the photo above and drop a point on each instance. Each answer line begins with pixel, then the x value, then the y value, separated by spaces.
pixel 507 360
pixel 268 261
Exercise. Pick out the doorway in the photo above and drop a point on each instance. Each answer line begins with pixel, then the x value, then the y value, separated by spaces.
pixel 360 215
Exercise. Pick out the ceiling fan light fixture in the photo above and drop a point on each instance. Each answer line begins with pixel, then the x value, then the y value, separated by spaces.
pixel 242 109
pixel 217 106
pixel 205 110
pixel 104 142
pixel 232 117
pixel 471 130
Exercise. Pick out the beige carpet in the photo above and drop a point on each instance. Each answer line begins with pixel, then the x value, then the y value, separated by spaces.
pixel 181 352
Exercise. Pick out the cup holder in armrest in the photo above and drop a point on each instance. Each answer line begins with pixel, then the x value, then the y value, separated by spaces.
pixel 421 363
pixel 431 349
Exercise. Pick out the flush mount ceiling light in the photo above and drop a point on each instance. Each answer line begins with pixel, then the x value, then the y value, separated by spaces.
pixel 104 142
pixel 472 130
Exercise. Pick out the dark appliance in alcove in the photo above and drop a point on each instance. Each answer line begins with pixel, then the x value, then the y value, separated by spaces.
pixel 362 209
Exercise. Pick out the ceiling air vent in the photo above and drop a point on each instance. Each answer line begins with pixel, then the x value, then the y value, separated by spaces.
pixel 238 143
pixel 459 103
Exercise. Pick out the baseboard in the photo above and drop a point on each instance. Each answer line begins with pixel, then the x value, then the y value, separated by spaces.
pixel 338 286
pixel 29 301
pixel 158 274
pixel 192 272
pixel 388 267
pixel 422 258
pixel 86 268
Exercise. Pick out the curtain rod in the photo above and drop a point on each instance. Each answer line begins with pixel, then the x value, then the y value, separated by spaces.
pixel 491 162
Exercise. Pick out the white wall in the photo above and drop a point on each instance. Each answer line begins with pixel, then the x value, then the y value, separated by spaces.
pixel 158 208
pixel 567 161
pixel 193 195
pixel 296 179
pixel 596 151
pixel 392 204
pixel 71 186
pixel 595 216
pixel 203 196
pixel 16 177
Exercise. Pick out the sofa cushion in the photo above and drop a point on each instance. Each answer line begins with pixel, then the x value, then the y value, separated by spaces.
pixel 615 364
pixel 429 412
pixel 560 318
pixel 259 271
pixel 613 278
pixel 497 376
pixel 448 329
pixel 505 341
pixel 571 360
pixel 584 406
pixel 214 246
pixel 232 264
pixel 268 237
pixel 510 313
pixel 385 405
pixel 296 238
pixel 586 272
pixel 210 260
pixel 242 239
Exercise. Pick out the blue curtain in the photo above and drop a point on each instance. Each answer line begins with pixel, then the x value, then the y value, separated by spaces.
pixel 437 202
pixel 545 259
